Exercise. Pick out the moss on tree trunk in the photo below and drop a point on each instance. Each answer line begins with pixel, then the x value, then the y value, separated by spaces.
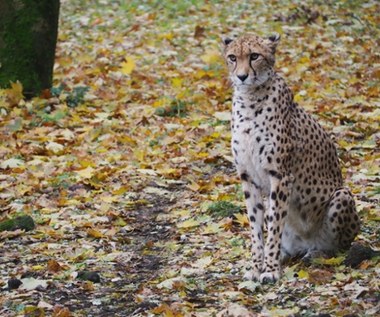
pixel 28 36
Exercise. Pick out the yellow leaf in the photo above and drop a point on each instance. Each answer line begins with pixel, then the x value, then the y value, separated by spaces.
pixel 177 82
pixel 182 213
pixel 212 228
pixel 88 172
pixel 167 171
pixel 22 189
pixel 128 66
pixel 14 93
pixel 190 223
pixel 374 215
pixel 242 219
pixel 202 154
pixel 211 57
pixel 300 96
pixel 168 36
pixel 160 103
pixel 86 163
pixel 139 154
pixel 95 233
pixel 303 274
pixel 120 191
pixel 341 277
pixel 335 261
pixel 37 267
pixel 304 60
pixel 120 222
pixel 109 199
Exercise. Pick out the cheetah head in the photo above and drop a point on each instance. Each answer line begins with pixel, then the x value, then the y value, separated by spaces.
pixel 250 59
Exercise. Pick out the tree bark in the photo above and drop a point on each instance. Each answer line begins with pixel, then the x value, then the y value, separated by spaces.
pixel 28 37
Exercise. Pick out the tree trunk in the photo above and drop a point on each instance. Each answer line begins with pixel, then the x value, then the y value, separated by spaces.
pixel 28 37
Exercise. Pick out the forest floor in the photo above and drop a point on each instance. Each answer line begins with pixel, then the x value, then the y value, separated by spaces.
pixel 125 164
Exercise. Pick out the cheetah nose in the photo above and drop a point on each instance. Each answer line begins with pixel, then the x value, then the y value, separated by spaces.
pixel 242 77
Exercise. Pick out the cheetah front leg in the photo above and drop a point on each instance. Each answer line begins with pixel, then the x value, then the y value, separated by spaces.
pixel 279 197
pixel 255 211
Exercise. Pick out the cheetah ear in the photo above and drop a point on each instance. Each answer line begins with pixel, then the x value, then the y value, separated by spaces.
pixel 227 40
pixel 272 41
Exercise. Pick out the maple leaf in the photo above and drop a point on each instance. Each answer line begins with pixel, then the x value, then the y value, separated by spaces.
pixel 242 219
pixel 14 94
pixel 128 66
pixel 60 311
pixel 53 266
pixel 190 223
pixel 88 172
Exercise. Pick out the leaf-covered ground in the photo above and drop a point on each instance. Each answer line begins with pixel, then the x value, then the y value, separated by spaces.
pixel 125 165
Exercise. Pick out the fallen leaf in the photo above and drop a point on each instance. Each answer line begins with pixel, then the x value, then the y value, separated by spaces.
pixel 235 310
pixel 60 311
pixel 128 66
pixel 223 116
pixel 211 56
pixel 319 277
pixel 190 223
pixel 169 283
pixel 30 283
pixel 249 285
pixel 12 163
pixel 53 266
pixel 54 147
pixel 88 172
pixel 14 93
pixel 95 233
pixel 202 263
pixel 242 219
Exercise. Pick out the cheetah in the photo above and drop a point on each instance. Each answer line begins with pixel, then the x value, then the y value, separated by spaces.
pixel 287 163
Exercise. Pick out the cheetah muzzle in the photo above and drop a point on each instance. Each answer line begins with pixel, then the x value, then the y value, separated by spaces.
pixel 287 163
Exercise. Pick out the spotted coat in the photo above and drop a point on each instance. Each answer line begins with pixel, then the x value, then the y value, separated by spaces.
pixel 287 163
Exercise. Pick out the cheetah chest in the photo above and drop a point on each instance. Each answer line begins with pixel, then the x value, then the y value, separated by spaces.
pixel 250 147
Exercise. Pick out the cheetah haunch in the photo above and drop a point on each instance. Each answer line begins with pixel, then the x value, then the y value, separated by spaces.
pixel 287 163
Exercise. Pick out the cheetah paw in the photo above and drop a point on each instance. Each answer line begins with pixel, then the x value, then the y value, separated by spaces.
pixel 269 277
pixel 252 275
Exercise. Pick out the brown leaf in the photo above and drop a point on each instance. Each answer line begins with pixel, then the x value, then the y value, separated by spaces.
pixel 60 311
pixel 319 276
pixel 53 266
pixel 199 31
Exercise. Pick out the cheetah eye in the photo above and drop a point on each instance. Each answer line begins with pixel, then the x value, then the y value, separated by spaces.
pixel 232 58
pixel 254 56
